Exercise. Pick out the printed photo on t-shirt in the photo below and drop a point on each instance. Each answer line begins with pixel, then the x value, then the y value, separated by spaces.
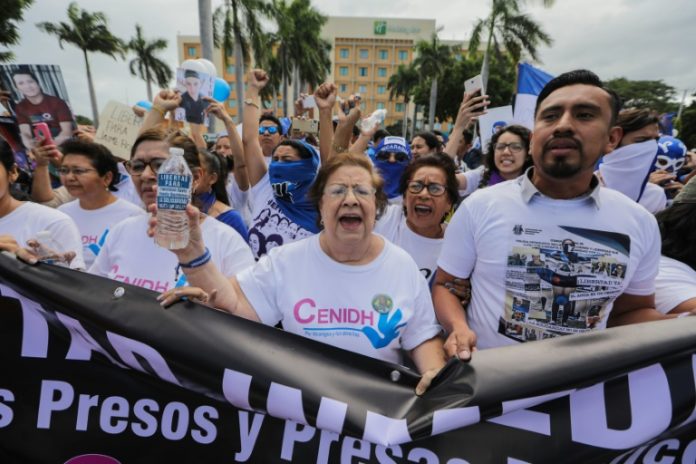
pixel 560 280
pixel 271 228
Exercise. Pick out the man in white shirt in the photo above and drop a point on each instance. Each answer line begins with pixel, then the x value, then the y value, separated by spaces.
pixel 552 252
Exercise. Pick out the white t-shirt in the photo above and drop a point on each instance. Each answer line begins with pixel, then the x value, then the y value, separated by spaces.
pixel 94 225
pixel 239 200
pixel 424 251
pixel 473 179
pixel 541 267
pixel 270 227
pixel 30 218
pixel 362 309
pixel 675 283
pixel 130 256
pixel 654 198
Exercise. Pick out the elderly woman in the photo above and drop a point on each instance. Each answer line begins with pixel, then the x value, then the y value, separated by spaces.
pixel 89 173
pixel 332 286
pixel 129 255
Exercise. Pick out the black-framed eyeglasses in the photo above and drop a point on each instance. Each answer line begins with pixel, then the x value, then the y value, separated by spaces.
pixel 76 171
pixel 515 147
pixel 268 130
pixel 434 188
pixel 398 156
pixel 136 166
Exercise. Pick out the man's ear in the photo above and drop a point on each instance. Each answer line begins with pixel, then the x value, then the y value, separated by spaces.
pixel 615 135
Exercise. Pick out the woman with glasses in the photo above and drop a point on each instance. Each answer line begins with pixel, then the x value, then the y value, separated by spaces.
pixel 130 256
pixel 279 189
pixel 89 173
pixel 332 287
pixel 21 221
pixel 507 158
pixel 429 189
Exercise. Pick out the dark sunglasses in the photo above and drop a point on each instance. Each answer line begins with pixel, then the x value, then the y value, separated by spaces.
pixel 385 155
pixel 136 167
pixel 268 130
pixel 434 189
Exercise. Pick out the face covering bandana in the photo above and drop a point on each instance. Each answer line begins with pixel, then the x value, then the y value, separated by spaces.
pixel 291 181
pixel 391 173
pixel 626 169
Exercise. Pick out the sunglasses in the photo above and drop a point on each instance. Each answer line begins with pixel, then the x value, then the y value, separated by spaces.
pixel 434 189
pixel 136 167
pixel 385 155
pixel 272 130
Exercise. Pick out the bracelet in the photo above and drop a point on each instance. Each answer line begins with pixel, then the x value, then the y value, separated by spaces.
pixel 161 111
pixel 198 262
pixel 251 102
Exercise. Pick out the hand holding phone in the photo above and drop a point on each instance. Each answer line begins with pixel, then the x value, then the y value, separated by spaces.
pixel 473 84
pixel 42 132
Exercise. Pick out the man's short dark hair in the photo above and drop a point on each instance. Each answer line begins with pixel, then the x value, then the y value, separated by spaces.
pixel 274 120
pixel 584 77
pixel 7 158
pixel 380 134
pixel 468 136
pixel 24 70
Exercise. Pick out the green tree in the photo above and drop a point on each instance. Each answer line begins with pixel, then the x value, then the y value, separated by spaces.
pixel 12 13
pixel 687 125
pixel 146 64
pixel 655 95
pixel 507 27
pixel 236 31
pixel 432 59
pixel 402 84
pixel 88 32
pixel 267 59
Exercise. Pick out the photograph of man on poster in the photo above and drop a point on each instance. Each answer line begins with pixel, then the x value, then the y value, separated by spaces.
pixel 38 95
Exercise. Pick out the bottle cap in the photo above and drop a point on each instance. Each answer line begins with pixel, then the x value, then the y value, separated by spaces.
pixel 174 151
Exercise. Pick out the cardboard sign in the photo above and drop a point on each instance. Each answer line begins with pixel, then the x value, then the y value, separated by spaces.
pixel 118 129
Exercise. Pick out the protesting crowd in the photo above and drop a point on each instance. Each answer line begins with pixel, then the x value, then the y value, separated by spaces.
pixel 408 251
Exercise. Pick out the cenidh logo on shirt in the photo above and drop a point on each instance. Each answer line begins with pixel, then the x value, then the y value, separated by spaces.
pixel 323 321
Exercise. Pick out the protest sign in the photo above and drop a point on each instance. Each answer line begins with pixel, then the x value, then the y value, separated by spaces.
pixel 491 122
pixel 118 129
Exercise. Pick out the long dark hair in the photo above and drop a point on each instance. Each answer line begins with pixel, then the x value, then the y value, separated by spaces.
pixel 489 160
pixel 213 163
pixel 677 225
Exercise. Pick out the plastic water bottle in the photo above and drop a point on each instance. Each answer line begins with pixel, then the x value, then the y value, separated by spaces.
pixel 173 194
pixel 49 251
pixel 370 122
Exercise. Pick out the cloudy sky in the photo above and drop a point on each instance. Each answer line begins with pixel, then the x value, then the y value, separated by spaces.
pixel 637 39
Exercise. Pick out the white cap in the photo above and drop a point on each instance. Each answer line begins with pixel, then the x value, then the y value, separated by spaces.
pixel 176 151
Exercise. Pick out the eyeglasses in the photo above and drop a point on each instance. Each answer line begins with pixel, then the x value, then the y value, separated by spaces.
pixel 434 189
pixel 337 191
pixel 514 147
pixel 66 170
pixel 136 167
pixel 385 155
pixel 268 130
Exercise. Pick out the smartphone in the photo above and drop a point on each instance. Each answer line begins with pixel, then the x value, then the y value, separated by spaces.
pixel 41 131
pixel 473 84
pixel 310 126
pixel 308 102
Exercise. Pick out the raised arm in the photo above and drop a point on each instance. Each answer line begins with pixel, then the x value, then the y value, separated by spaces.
pixel 469 110
pixel 344 131
pixel 240 173
pixel 325 98
pixel 255 162
pixel 41 190
pixel 165 101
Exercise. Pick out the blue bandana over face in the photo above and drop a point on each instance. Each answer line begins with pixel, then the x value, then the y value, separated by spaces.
pixel 391 172
pixel 291 181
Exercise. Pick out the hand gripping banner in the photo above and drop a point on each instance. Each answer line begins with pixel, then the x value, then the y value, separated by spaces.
pixel 96 371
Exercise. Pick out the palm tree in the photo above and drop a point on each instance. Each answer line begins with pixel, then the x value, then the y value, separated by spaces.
pixel 237 30
pixel 433 57
pixel 12 12
pixel 88 32
pixel 267 59
pixel 401 84
pixel 146 65
pixel 507 25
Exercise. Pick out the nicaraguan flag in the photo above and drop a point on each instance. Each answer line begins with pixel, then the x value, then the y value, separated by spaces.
pixel 530 81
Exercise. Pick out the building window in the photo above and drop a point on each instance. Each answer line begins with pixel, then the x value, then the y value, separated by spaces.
pixel 363 71
pixel 344 53
pixel 364 54
pixel 383 54
pixel 230 69
pixel 399 107
pixel 403 55
pixel 380 89
pixel 382 72
pixel 192 51
pixel 343 70
pixel 362 89
pixel 380 105
pixel 344 88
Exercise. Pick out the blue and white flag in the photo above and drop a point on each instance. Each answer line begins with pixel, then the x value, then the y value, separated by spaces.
pixel 530 81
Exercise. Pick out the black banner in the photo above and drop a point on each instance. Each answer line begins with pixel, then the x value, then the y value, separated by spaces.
pixel 97 372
